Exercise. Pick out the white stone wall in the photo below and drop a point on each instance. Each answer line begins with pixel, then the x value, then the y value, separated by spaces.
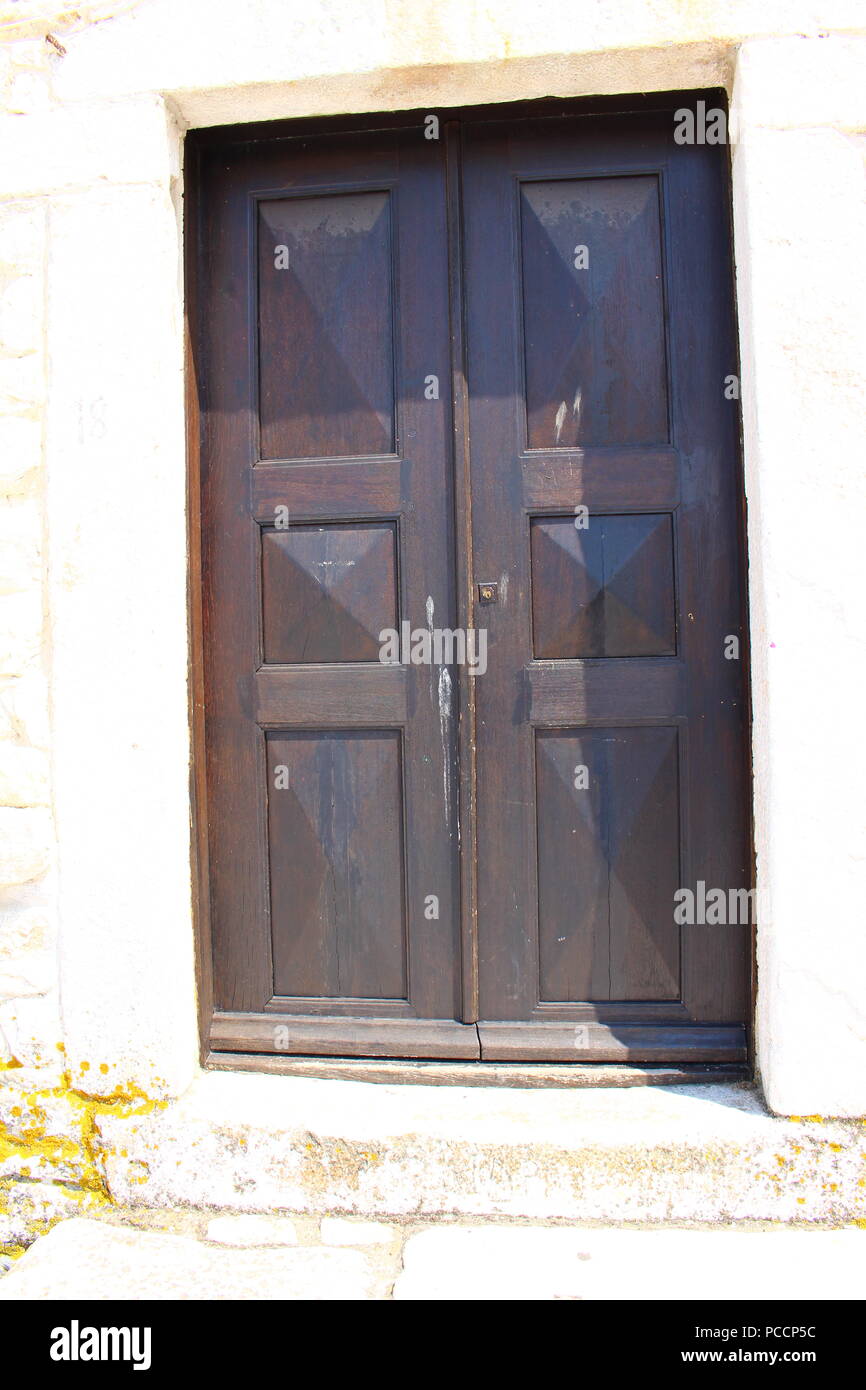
pixel 96 941
pixel 798 119
pixel 29 1015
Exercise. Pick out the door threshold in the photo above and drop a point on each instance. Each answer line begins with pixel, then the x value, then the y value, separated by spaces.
pixel 523 1075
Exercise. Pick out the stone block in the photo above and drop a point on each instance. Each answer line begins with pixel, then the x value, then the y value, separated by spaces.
pixel 110 142
pixel 23 776
pixel 336 1230
pixel 25 841
pixel 29 1209
pixel 20 454
pixel 94 1260
pixel 252 1231
pixel 540 1263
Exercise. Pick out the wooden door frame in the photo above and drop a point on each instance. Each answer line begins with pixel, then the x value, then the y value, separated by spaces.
pixel 196 143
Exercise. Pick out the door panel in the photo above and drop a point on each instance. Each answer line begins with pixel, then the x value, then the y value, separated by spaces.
pixel 593 342
pixel 606 590
pixel 325 326
pixel 604 466
pixel 608 863
pixel 327 592
pixel 338 898
pixel 431 365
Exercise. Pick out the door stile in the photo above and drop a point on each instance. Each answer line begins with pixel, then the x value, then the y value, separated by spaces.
pixel 467 830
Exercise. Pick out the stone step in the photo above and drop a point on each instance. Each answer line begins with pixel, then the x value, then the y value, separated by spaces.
pixel 700 1153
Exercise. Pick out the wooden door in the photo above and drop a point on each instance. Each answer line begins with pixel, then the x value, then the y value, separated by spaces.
pixel 492 361
pixel 604 503
pixel 327 519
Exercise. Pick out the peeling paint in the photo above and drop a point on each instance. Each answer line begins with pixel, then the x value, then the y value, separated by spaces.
pixel 445 730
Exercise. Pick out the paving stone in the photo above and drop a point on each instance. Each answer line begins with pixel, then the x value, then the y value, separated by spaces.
pixel 337 1231
pixel 82 1259
pixel 252 1230
pixel 534 1262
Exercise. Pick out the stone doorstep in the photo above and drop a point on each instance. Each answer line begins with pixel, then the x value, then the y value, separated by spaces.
pixel 286 1144
pixel 94 1260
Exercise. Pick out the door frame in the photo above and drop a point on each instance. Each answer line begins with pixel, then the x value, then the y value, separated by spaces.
pixel 196 143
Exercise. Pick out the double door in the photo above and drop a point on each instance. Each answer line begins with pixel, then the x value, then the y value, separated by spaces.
pixel 472 649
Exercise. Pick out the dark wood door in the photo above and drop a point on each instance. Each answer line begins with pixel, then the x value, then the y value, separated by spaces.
pixel 327 520
pixel 610 723
pixel 427 365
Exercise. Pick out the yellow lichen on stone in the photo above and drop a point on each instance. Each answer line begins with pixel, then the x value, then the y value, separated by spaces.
pixel 124 1101
pixel 70 1163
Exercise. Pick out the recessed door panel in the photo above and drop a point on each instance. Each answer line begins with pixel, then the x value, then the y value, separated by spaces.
pixel 335 832
pixel 603 586
pixel 593 311
pixel 326 358
pixel 327 591
pixel 608 831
